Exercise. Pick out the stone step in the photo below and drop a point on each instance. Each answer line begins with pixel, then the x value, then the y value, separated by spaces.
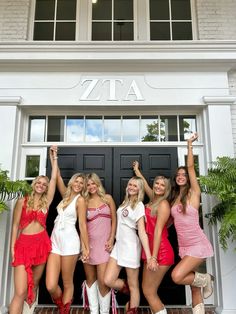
pixel 142 310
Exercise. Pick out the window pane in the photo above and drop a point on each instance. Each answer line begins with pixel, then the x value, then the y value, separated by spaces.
pixel 159 10
pixel 168 128
pixel 130 129
pixel 101 31
pixel 187 125
pixel 66 9
pixel 160 31
pixel 123 31
pixel 93 129
pixel 112 129
pixel 43 31
pixel 180 10
pixel 182 30
pixel 32 166
pixel 149 129
pixel 123 9
pixel 36 129
pixel 44 9
pixel 55 129
pixel 65 31
pixel 75 129
pixel 102 10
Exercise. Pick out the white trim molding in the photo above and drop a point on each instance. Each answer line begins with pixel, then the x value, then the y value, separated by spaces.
pixel 219 100
pixel 10 101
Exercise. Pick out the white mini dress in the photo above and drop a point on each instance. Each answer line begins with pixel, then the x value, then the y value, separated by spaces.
pixel 65 238
pixel 127 249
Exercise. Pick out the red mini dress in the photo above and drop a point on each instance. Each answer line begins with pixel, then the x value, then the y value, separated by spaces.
pixel 165 256
pixel 31 249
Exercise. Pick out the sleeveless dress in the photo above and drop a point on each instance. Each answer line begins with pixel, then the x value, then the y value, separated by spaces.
pixel 127 249
pixel 31 250
pixel 65 238
pixel 165 256
pixel 191 238
pixel 99 230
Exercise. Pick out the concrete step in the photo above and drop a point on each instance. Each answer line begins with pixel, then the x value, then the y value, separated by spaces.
pixel 142 310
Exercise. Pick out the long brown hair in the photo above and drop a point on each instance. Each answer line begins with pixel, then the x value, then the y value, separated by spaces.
pixel 175 190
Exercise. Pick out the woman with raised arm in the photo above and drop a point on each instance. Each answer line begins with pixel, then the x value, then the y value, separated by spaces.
pixel 66 242
pixel 101 223
pixel 30 243
pixel 194 247
pixel 157 213
pixel 127 250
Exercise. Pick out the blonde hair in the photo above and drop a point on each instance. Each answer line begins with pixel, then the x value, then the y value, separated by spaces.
pixel 43 200
pixel 140 195
pixel 67 196
pixel 165 196
pixel 101 191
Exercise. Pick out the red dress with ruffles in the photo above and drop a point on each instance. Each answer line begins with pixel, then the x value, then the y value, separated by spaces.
pixel 31 249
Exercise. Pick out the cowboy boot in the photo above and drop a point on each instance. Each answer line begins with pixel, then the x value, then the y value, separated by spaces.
pixel 66 308
pixel 104 302
pixel 30 309
pixel 59 304
pixel 163 311
pixel 92 293
pixel 204 281
pixel 133 310
pixel 199 309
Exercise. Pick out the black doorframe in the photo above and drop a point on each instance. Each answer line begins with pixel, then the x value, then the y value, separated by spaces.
pixel 114 166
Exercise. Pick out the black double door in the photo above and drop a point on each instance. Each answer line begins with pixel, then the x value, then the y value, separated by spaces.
pixel 114 167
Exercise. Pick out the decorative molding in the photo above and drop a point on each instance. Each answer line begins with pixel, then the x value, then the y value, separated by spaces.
pixel 10 100
pixel 219 100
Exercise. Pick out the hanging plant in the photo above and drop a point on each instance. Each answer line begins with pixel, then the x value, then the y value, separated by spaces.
pixel 10 190
pixel 221 182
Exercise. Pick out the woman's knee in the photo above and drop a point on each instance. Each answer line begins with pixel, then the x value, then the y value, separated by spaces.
pixel 176 277
pixel 21 293
pixel 51 287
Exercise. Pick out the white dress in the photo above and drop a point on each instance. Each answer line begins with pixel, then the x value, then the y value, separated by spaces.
pixel 65 238
pixel 127 249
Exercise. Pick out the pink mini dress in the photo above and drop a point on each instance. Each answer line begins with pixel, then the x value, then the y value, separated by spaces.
pixel 165 255
pixel 99 230
pixel 191 238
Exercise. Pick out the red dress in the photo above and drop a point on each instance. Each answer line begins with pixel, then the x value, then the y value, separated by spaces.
pixel 31 250
pixel 165 254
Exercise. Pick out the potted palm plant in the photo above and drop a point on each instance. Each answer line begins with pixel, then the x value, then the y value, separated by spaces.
pixel 10 190
pixel 221 182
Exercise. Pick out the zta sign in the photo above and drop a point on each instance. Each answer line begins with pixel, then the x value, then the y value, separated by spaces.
pixel 94 90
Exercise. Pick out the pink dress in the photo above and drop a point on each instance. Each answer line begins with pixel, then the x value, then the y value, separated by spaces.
pixel 191 238
pixel 165 254
pixel 99 230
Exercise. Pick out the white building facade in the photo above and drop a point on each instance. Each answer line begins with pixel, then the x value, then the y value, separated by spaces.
pixel 103 80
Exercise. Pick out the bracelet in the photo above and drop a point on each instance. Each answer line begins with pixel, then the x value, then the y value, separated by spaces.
pixel 190 146
pixel 153 257
pixel 54 158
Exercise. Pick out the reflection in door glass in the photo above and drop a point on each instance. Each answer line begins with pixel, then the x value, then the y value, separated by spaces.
pixel 93 129
pixel 56 129
pixel 149 129
pixel 187 126
pixel 112 129
pixel 168 129
pixel 130 129
pixel 32 166
pixel 75 129
pixel 36 129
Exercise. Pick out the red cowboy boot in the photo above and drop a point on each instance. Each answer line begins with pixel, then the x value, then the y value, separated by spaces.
pixel 125 288
pixel 133 310
pixel 66 308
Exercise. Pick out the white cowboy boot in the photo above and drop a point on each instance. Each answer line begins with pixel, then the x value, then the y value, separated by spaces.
pixel 30 309
pixel 104 302
pixel 205 281
pixel 199 309
pixel 164 311
pixel 92 293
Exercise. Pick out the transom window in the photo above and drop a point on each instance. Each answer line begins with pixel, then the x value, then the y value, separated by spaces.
pixel 170 20
pixel 55 20
pixel 94 129
pixel 112 20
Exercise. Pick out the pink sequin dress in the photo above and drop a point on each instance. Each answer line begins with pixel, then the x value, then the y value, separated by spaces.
pixel 99 230
pixel 191 238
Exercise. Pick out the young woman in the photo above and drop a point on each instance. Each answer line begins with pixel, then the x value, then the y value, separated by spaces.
pixel 30 244
pixel 101 224
pixel 127 250
pixel 194 246
pixel 157 213
pixel 66 241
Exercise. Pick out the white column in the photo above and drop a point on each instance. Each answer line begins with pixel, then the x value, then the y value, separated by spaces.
pixel 219 142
